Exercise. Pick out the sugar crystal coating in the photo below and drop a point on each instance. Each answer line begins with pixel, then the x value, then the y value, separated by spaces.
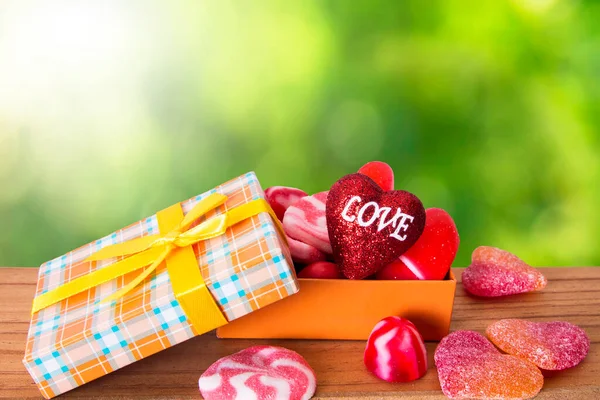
pixel 549 345
pixel 259 373
pixel 470 367
pixel 495 272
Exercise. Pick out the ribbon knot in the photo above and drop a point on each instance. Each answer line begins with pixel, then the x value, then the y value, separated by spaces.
pixel 172 246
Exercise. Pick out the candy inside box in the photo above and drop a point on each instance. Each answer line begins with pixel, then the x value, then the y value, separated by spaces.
pixel 349 309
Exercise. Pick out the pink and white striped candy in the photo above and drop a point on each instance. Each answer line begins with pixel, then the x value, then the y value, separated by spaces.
pixel 259 373
pixel 305 221
pixel 281 197
pixel 395 351
pixel 304 253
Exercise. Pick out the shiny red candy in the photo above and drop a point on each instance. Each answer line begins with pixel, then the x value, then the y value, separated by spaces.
pixel 368 227
pixel 281 197
pixel 395 351
pixel 432 255
pixel 321 270
pixel 380 172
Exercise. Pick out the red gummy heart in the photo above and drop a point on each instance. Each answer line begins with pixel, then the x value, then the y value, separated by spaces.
pixel 395 351
pixel 432 255
pixel 369 228
pixel 380 172
pixel 321 270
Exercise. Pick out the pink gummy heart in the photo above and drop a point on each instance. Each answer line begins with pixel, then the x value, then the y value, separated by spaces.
pixel 549 345
pixel 380 172
pixel 321 270
pixel 259 373
pixel 368 227
pixel 469 366
pixel 494 272
pixel 395 351
pixel 432 255
pixel 280 198
pixel 303 253
pixel 305 221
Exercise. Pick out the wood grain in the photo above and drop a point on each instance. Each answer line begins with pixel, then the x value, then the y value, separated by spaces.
pixel 573 294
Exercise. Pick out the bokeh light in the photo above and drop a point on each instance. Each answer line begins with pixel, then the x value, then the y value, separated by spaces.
pixel 112 110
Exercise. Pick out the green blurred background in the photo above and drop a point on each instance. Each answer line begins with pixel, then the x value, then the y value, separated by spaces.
pixel 112 110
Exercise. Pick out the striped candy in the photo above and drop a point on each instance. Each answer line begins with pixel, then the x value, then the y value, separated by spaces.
pixel 281 197
pixel 305 221
pixel 259 373
pixel 304 253
pixel 395 351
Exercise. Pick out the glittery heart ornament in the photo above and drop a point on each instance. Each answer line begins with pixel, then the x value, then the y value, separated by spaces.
pixel 470 367
pixel 553 346
pixel 368 227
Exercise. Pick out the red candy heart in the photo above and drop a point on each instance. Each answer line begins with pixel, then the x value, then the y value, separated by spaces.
pixel 321 270
pixel 395 351
pixel 432 255
pixel 369 228
pixel 380 172
pixel 281 197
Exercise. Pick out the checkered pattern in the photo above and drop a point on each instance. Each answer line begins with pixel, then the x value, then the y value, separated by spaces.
pixel 79 339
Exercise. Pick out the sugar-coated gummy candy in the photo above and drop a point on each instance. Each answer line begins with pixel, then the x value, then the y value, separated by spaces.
pixel 281 197
pixel 554 345
pixel 305 221
pixel 304 253
pixel 432 255
pixel 470 367
pixel 321 270
pixel 259 373
pixel 494 272
pixel 380 172
pixel 395 351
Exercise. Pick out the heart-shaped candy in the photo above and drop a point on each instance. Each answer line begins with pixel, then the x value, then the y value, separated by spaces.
pixel 368 227
pixel 303 253
pixel 470 367
pixel 549 345
pixel 381 173
pixel 494 272
pixel 259 373
pixel 432 255
pixel 395 351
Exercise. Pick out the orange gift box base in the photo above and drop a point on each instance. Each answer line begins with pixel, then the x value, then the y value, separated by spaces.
pixel 348 310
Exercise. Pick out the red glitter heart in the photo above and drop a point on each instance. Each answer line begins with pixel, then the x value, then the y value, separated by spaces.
pixel 369 228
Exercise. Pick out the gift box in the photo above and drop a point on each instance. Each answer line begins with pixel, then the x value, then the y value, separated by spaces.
pixel 349 309
pixel 184 271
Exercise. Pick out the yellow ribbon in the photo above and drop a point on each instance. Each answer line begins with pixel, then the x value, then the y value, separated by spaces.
pixel 174 248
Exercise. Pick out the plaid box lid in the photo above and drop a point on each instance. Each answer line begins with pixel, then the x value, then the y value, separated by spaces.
pixel 79 339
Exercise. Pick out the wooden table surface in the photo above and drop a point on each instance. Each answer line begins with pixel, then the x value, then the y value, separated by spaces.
pixel 572 294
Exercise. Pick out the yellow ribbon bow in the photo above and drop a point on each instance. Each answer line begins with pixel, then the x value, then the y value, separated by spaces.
pixel 175 249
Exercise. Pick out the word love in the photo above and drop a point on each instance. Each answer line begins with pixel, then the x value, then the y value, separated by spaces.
pixel 381 213
pixel 361 247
